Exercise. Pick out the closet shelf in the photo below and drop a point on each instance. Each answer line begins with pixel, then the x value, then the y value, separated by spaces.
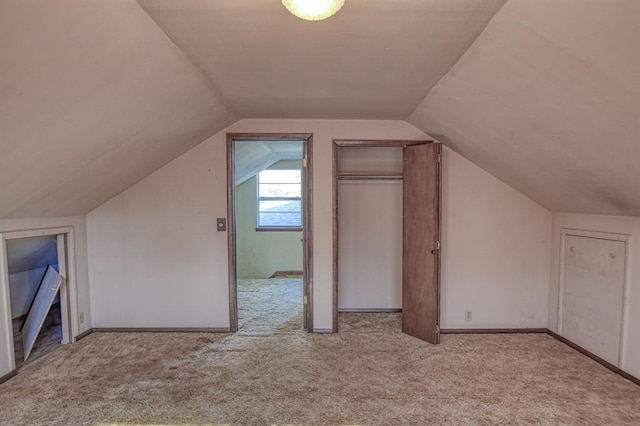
pixel 370 176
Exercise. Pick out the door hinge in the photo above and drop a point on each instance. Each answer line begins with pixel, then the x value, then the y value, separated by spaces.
pixel 305 300
pixel 437 248
pixel 304 162
pixel 437 329
pixel 439 158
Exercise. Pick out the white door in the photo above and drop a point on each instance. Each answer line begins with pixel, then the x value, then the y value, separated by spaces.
pixel 39 309
pixel 592 296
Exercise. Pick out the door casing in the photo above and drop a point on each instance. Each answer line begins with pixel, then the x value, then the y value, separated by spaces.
pixel 355 143
pixel 68 289
pixel 307 226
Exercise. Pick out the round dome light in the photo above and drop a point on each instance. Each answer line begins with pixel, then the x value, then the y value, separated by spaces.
pixel 313 10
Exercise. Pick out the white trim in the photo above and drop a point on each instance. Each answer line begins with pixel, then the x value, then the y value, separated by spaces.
pixel 6 305
pixel 69 295
pixel 599 235
pixel 626 309
pixel 64 293
pixel 626 283
pixel 560 284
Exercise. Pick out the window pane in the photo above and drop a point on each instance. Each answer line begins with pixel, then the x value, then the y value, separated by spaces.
pixel 280 205
pixel 280 213
pixel 280 176
pixel 279 190
pixel 273 211
pixel 281 220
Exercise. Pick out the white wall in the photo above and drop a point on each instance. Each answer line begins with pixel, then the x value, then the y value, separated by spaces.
pixel 81 271
pixel 156 259
pixel 370 273
pixel 495 254
pixel 630 360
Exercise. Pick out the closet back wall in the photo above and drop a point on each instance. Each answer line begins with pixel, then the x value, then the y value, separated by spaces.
pixel 370 238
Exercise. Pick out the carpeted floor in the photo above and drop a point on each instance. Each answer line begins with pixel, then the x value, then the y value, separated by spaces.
pixel 368 374
pixel 267 306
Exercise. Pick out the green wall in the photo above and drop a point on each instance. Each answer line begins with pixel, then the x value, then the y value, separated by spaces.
pixel 260 254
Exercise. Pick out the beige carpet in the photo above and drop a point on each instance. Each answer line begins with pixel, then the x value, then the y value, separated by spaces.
pixel 369 374
pixel 267 306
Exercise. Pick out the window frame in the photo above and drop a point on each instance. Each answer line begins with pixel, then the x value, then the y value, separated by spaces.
pixel 263 228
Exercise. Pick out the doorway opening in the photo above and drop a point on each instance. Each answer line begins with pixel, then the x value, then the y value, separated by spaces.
pixel 386 229
pixel 269 232
pixel 34 278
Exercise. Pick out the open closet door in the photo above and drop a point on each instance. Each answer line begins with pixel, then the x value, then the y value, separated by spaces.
pixel 421 241
pixel 39 309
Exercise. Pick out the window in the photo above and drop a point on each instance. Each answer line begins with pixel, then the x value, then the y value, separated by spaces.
pixel 280 200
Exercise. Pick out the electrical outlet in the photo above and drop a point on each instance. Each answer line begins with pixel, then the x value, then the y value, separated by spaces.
pixel 467 315
pixel 81 317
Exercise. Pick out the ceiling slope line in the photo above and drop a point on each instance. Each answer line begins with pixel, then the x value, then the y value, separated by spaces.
pixel 180 154
pixel 475 40
pixel 536 102
pixel 196 68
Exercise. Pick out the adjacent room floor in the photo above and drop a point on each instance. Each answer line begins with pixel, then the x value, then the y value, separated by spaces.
pixel 49 338
pixel 369 373
pixel 269 305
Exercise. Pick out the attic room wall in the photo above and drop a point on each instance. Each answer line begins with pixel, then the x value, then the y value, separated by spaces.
pixel 260 254
pixel 82 275
pixel 609 224
pixel 156 259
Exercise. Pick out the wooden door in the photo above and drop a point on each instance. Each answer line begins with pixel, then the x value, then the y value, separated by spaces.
pixel 420 245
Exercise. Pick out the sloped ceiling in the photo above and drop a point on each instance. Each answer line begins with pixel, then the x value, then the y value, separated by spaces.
pixel 374 59
pixel 93 97
pixel 96 95
pixel 252 157
pixel 548 100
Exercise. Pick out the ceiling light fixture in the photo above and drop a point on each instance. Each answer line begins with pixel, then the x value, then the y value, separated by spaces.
pixel 313 10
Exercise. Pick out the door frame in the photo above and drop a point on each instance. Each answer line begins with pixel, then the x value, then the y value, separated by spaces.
pixel 68 289
pixel 307 219
pixel 364 143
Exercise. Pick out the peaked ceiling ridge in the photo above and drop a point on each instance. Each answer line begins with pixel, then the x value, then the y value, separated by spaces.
pixel 329 70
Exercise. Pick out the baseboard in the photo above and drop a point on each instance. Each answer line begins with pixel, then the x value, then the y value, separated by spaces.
pixel 323 330
pixel 369 310
pixel 493 331
pixel 8 376
pixel 287 274
pixel 160 330
pixel 20 318
pixel 84 334
pixel 594 357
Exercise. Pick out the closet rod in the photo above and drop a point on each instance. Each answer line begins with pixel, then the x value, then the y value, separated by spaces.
pixel 370 177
